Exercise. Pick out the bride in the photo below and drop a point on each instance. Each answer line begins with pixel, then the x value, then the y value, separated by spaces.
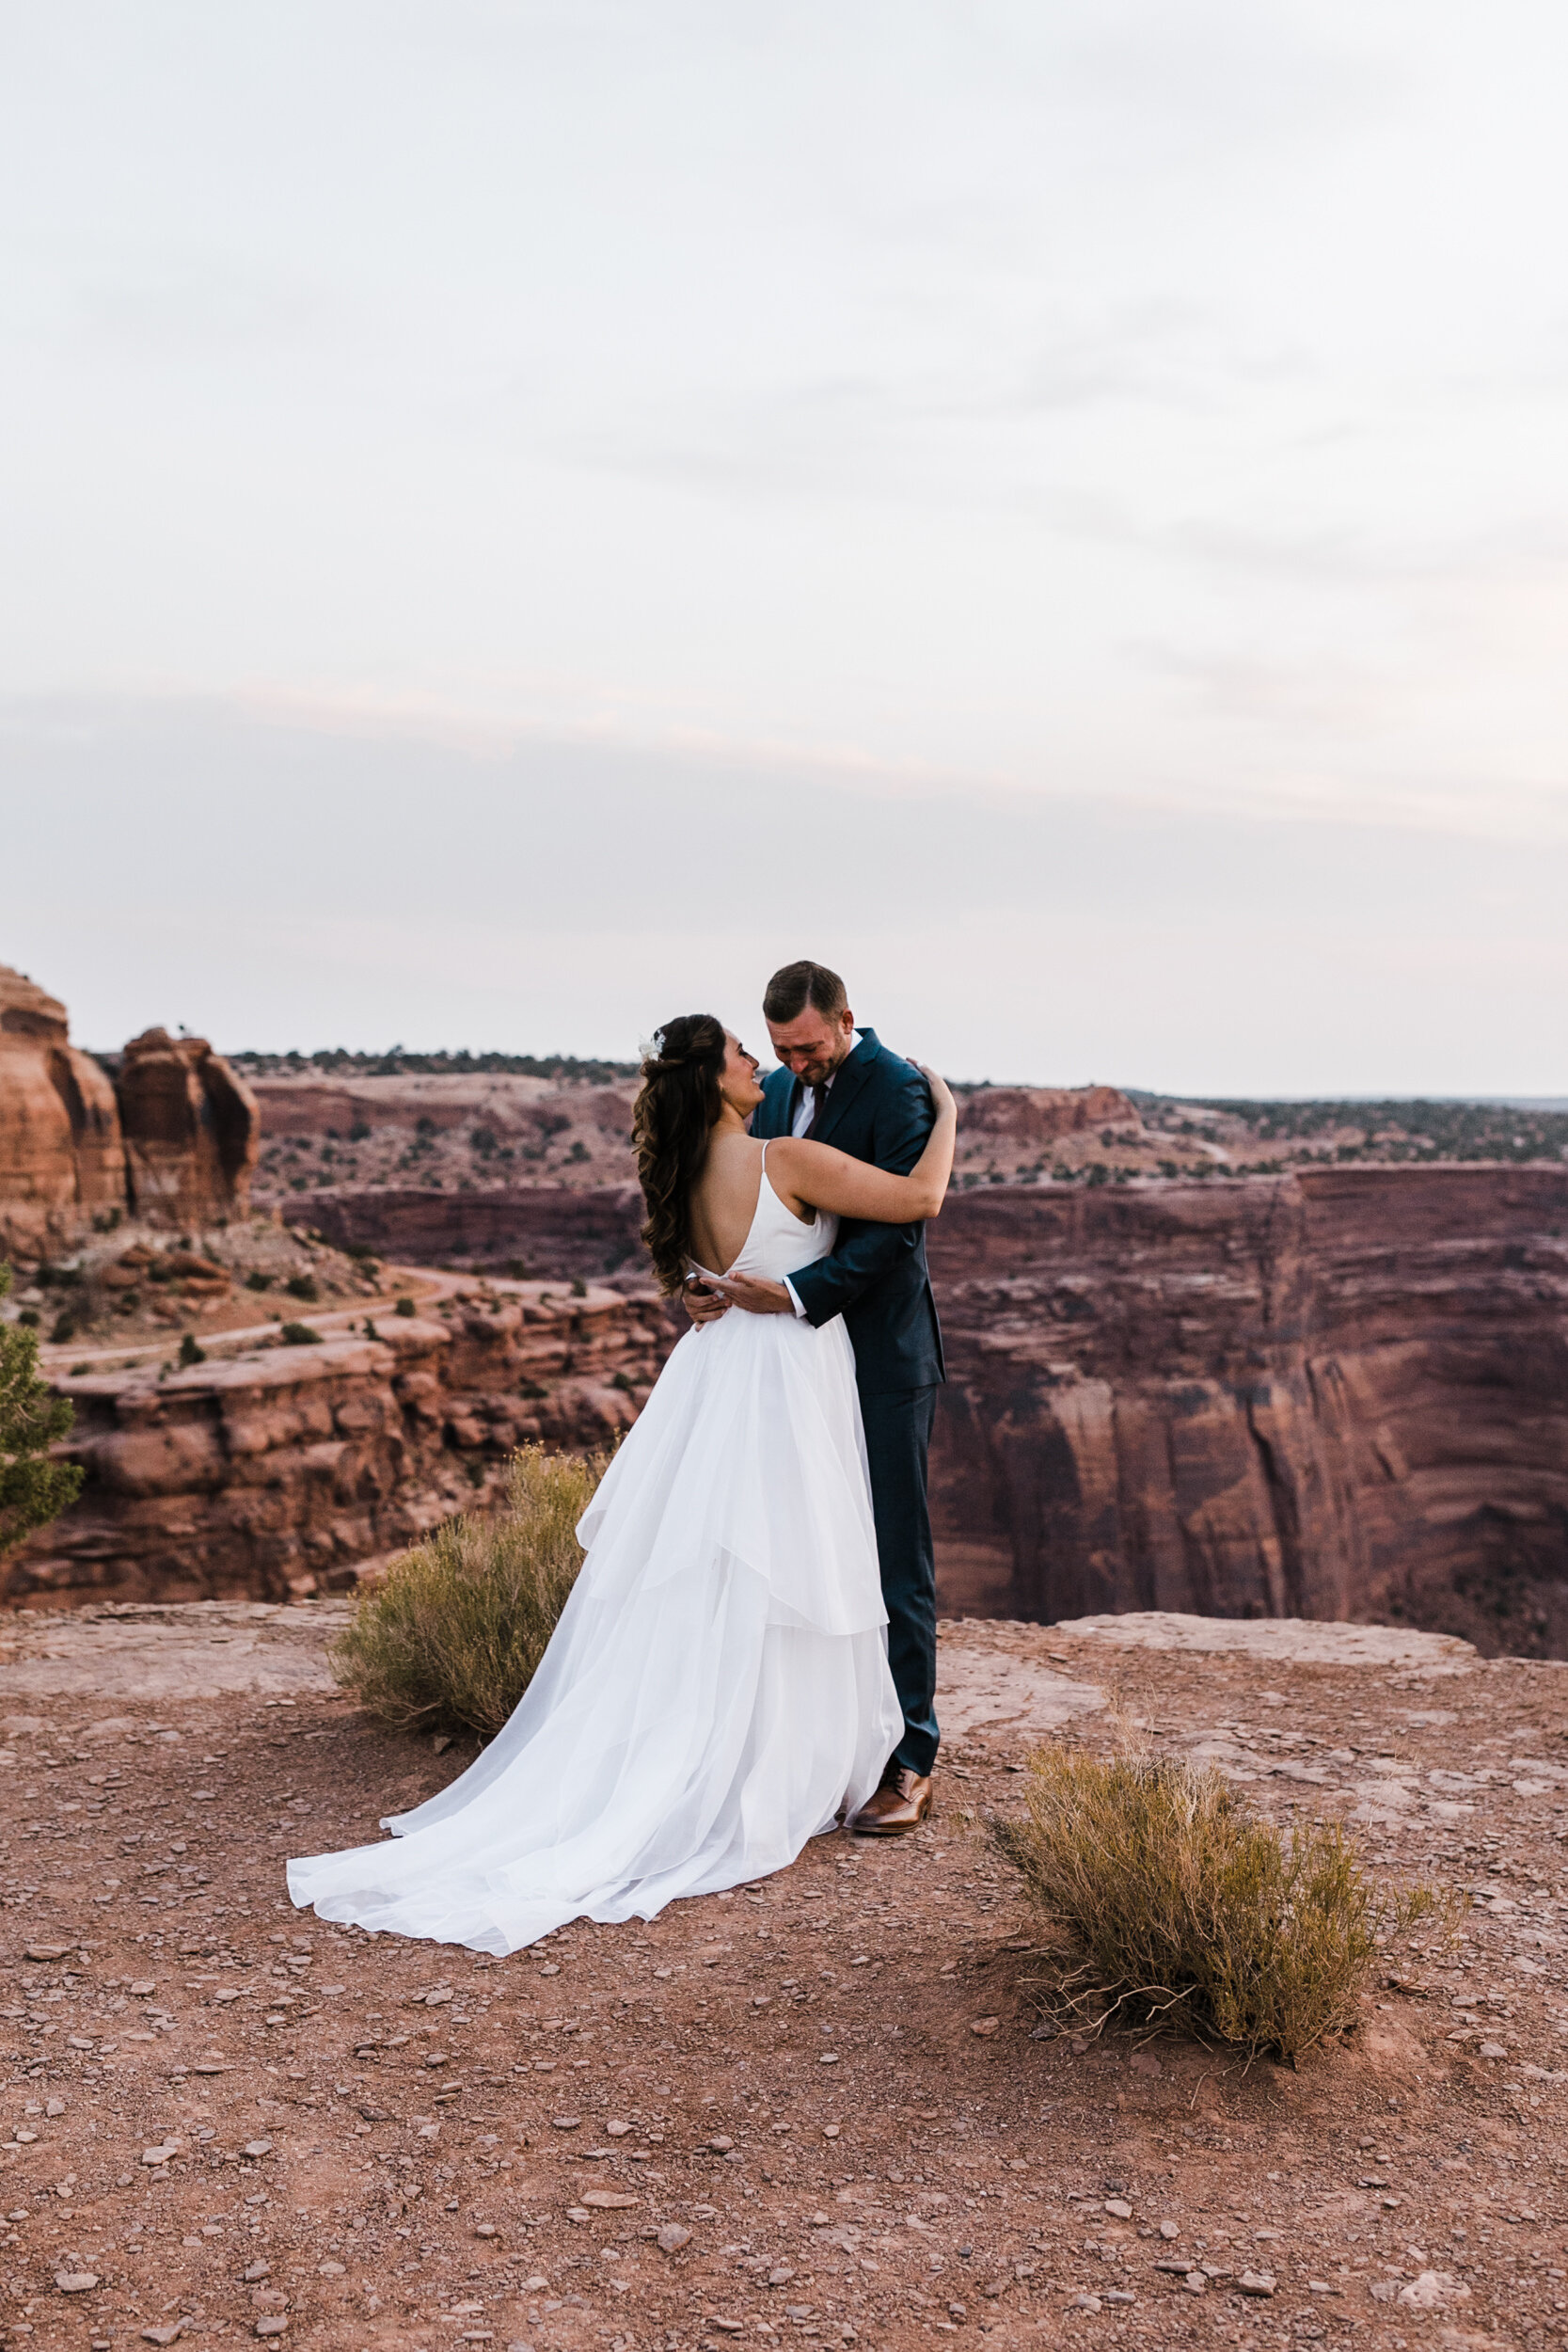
pixel 717 1691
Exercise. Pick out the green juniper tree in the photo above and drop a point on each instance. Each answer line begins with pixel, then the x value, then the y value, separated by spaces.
pixel 33 1488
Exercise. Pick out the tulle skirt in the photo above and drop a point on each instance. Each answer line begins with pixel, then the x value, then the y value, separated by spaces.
pixel 717 1688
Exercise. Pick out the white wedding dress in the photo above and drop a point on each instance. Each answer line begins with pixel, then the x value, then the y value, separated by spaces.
pixel 718 1686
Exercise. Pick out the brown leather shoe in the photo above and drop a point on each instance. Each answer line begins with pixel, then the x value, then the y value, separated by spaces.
pixel 902 1803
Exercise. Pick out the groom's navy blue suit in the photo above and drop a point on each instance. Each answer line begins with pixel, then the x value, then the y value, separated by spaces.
pixel 879 1109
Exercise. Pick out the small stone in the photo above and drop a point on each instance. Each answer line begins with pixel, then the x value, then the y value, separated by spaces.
pixel 608 2201
pixel 54 2106
pixel 1196 2284
pixel 781 2276
pixel 75 2282
pixel 1169 2229
pixel 829 2057
pixel 1492 2050
pixel 672 2238
pixel 552 1968
pixel 48 1951
pixel 485 2229
pixel 720 2143
pixel 578 2213
pixel 565 2122
pixel 538 2284
pixel 1255 2282
pixel 257 2270
pixel 162 2154
pixel 258 2147
pixel 272 2325
pixel 617 2131
pixel 830 2131
pixel 1383 2290
pixel 1430 2288
pixel 1083 2303
pixel 163 2335
pixel 329 2270
pixel 1120 2208
pixel 441 1994
pixel 984 2027
pixel 143 1986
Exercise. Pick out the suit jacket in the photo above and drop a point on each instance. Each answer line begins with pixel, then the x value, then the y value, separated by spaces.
pixel 878 1110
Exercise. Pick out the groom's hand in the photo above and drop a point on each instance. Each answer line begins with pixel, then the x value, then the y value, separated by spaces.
pixel 757 1296
pixel 703 1304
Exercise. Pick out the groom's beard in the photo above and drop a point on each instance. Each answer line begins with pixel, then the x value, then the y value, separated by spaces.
pixel 817 1074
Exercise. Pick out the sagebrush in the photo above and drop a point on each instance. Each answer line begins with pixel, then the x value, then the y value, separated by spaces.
pixel 450 1638
pixel 1164 1898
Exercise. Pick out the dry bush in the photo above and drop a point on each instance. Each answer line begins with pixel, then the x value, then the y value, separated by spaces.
pixel 1165 1901
pixel 450 1640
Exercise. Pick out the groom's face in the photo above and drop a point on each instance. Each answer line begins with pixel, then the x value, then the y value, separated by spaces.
pixel 813 1045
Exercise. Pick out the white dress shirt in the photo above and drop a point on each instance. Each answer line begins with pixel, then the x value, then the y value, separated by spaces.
pixel 805 1111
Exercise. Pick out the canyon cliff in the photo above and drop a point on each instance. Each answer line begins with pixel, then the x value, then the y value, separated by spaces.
pixel 1336 1393
pixel 282 1469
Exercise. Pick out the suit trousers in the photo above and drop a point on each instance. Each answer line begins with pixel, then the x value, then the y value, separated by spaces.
pixel 897 1446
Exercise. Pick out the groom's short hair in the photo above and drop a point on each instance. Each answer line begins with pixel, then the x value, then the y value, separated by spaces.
pixel 795 986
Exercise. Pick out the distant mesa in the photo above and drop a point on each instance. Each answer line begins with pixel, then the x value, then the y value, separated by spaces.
pixel 174 1142
pixel 1037 1115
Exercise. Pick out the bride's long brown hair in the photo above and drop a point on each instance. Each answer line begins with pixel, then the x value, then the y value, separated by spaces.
pixel 671 1121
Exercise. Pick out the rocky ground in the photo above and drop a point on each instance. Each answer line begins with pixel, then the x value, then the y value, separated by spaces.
pixel 819 2108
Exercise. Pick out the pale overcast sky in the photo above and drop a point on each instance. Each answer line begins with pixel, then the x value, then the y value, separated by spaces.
pixel 515 518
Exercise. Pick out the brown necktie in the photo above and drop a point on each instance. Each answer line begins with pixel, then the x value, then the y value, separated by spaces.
pixel 819 1113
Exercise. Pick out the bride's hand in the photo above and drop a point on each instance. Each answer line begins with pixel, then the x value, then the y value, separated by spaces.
pixel 942 1093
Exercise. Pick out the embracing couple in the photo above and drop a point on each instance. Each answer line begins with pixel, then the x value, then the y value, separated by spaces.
pixel 749 1655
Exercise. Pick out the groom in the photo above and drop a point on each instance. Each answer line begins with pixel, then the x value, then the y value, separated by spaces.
pixel 839 1086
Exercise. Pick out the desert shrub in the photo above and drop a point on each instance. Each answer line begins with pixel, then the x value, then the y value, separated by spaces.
pixel 257 1282
pixel 1164 1899
pixel 33 1488
pixel 450 1639
pixel 190 1353
pixel 299 1335
pixel 405 1306
pixel 302 1286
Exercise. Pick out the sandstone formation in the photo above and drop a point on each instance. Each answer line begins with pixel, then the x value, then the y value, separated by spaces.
pixel 284 1468
pixel 191 1130
pixel 1336 1393
pixel 60 1156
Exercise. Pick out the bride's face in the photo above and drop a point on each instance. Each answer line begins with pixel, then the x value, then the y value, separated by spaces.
pixel 737 1081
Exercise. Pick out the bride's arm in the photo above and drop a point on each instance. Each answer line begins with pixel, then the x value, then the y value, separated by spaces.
pixel 826 1179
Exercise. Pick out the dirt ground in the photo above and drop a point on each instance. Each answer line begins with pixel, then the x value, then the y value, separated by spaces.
pixel 819 2108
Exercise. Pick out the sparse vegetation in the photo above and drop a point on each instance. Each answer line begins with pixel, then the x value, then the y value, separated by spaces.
pixel 1164 1899
pixel 450 1640
pixel 396 1063
pixel 404 1306
pixel 299 1335
pixel 302 1286
pixel 33 1488
pixel 191 1352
